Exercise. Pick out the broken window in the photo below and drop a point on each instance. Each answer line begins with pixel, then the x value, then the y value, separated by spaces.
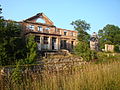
pixel 54 43
pixel 45 40
pixel 65 33
pixel 31 27
pixel 40 28
pixel 37 39
pixel 72 44
pixel 47 28
pixel 45 46
pixel 63 44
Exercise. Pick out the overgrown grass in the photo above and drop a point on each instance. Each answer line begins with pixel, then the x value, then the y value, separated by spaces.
pixel 107 57
pixel 104 76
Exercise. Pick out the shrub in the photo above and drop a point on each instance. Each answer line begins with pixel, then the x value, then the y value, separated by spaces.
pixel 31 50
pixel 82 49
pixel 117 48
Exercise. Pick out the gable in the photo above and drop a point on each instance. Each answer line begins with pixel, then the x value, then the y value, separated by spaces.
pixel 40 18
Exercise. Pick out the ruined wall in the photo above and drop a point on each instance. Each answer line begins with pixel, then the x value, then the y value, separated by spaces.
pixel 50 31
pixel 109 48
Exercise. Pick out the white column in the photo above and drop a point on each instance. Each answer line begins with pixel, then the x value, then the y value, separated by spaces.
pixel 57 43
pixel 49 43
pixel 41 42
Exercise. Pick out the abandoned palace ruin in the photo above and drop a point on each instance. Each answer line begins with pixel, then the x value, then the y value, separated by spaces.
pixel 47 35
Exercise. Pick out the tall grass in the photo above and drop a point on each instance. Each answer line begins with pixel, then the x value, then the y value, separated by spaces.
pixel 91 76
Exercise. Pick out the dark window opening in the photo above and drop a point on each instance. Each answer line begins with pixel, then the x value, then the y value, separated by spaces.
pixel 63 44
pixel 40 28
pixel 45 40
pixel 31 27
pixel 72 44
pixel 37 39
pixel 53 43
pixel 65 33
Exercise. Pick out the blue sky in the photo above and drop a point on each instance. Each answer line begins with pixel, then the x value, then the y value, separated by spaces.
pixel 97 13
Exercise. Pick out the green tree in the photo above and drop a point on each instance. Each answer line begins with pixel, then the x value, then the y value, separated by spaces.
pixel 82 26
pixel 11 42
pixel 14 47
pixel 82 49
pixel 110 34
pixel 1 12
pixel 31 50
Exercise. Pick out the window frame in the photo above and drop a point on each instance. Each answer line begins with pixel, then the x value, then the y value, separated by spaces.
pixel 32 27
pixel 65 33
pixel 40 28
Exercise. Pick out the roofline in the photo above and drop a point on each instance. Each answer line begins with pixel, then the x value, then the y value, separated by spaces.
pixel 38 23
pixel 32 17
pixel 48 18
pixel 37 15
pixel 41 24
pixel 67 30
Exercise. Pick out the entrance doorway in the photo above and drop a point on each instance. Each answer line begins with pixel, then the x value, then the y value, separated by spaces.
pixel 54 46
pixel 63 44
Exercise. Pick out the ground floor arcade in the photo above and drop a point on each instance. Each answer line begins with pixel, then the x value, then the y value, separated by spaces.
pixel 54 43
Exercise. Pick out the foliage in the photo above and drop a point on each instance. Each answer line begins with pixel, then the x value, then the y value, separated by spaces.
pixel 31 47
pixel 81 26
pixel 82 49
pixel 117 48
pixel 105 57
pixel 110 34
pixel 17 74
pixel 13 46
pixel 1 12
pixel 11 42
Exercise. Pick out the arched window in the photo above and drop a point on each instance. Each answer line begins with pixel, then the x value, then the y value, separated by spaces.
pixel 39 20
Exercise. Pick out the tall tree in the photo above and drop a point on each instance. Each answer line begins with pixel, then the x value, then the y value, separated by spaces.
pixel 14 46
pixel 82 48
pixel 1 12
pixel 11 42
pixel 110 34
pixel 81 26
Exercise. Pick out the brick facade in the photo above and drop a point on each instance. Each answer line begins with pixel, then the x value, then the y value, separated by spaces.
pixel 47 35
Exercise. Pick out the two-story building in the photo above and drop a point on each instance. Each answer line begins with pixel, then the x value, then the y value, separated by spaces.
pixel 47 35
